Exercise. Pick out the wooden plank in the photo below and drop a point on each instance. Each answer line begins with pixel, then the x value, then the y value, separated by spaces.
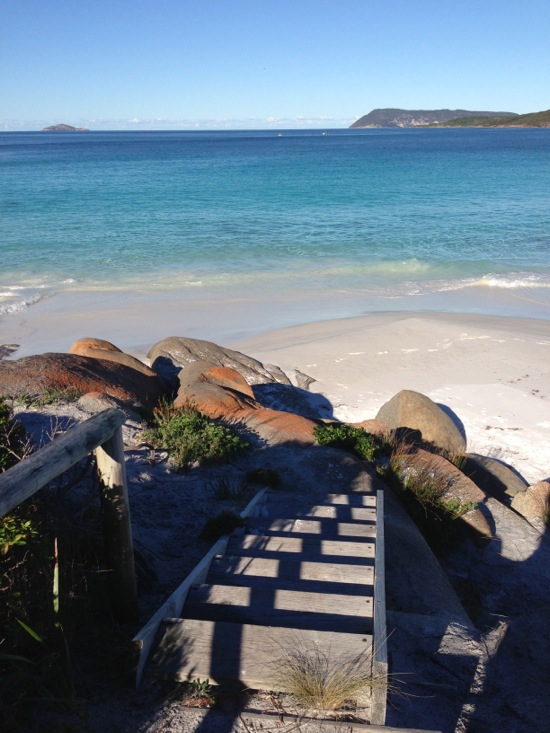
pixel 299 527
pixel 117 527
pixel 251 543
pixel 144 639
pixel 33 473
pixel 315 586
pixel 380 651
pixel 296 569
pixel 342 512
pixel 296 723
pixel 288 608
pixel 242 653
pixel 293 499
pixel 352 499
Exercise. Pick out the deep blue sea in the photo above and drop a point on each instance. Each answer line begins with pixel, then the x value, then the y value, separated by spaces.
pixel 374 212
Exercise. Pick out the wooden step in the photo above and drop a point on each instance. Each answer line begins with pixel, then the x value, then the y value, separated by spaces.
pixel 243 653
pixel 342 512
pixel 292 499
pixel 327 550
pixel 275 607
pixel 295 568
pixel 328 528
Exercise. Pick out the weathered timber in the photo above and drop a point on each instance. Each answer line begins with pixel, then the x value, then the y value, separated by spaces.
pixel 291 581
pixel 380 649
pixel 288 608
pixel 101 432
pixel 303 527
pixel 144 639
pixel 253 720
pixel 296 568
pixel 341 512
pixel 259 546
pixel 354 499
pixel 117 528
pixel 32 474
pixel 241 653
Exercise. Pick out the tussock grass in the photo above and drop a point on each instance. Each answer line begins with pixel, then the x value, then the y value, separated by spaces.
pixel 322 681
pixel 429 487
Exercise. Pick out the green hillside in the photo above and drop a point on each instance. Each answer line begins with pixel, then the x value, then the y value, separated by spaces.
pixel 533 119
pixel 393 117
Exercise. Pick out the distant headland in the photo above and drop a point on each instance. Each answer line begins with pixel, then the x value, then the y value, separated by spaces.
pixel 449 118
pixel 64 128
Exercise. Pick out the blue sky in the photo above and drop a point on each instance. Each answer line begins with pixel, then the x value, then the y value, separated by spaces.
pixel 184 64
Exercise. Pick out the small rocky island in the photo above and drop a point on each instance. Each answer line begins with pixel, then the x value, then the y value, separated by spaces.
pixel 64 128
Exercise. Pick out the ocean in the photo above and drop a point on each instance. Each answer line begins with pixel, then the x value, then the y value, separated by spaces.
pixel 361 219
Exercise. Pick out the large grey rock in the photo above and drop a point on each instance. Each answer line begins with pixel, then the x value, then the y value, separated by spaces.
pixel 534 503
pixel 494 477
pixel 171 354
pixel 416 412
pixel 415 581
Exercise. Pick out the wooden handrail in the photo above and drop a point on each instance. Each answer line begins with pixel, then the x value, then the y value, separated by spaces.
pixel 102 433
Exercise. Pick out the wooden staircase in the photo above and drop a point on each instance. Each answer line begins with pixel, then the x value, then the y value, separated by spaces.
pixel 300 575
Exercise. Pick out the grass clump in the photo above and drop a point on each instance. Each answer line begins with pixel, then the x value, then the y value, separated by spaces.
pixel 348 438
pixel 222 523
pixel 190 437
pixel 224 490
pixel 317 680
pixel 429 487
pixel 52 397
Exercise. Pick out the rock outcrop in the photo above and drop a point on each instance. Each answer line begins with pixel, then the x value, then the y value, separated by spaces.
pixel 534 503
pixel 171 354
pixel 99 349
pixel 493 476
pixel 412 411
pixel 223 393
pixel 37 375
pixel 216 391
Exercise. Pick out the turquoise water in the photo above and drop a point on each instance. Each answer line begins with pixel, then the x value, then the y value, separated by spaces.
pixel 370 212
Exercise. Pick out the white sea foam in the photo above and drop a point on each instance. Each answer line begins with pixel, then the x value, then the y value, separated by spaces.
pixel 20 305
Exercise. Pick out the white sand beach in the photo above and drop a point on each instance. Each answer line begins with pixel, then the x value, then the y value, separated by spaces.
pixel 492 371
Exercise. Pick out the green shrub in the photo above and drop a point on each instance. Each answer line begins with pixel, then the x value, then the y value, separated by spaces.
pixel 190 437
pixel 15 531
pixel 348 438
pixel 12 438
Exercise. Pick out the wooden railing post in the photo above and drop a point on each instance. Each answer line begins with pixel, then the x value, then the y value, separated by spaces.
pixel 117 529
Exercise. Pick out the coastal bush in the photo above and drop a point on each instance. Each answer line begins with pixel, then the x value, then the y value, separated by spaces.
pixel 190 437
pixel 13 440
pixel 349 438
